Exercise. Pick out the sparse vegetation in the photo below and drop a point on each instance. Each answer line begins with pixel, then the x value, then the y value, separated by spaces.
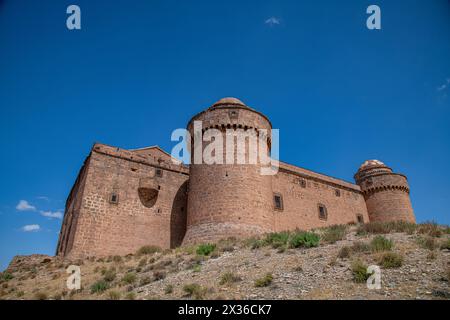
pixel 229 278
pixel 264 281
pixel 130 296
pixel 205 249
pixel 391 260
pixel 114 295
pixel 109 275
pixel 99 286
pixel 159 275
pixel 142 262
pixel 277 239
pixel 148 250
pixel 129 278
pixel 359 270
pixel 144 281
pixel 431 229
pixel 345 252
pixel 360 247
pixel 380 243
pixel 445 245
pixel 6 276
pixel 429 243
pixel 386 227
pixel 194 290
pixel 117 259
pixel 168 289
pixel 304 239
pixel 334 233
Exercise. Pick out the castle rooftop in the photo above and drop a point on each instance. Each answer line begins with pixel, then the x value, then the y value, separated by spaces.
pixel 229 101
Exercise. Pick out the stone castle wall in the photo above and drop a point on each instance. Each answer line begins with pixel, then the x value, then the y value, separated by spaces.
pixel 125 199
pixel 109 226
pixel 302 193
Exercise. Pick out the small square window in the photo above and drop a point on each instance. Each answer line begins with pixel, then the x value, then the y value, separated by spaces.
pixel 360 218
pixel 159 172
pixel 114 198
pixel 301 182
pixel 233 114
pixel 278 201
pixel 323 214
pixel 337 193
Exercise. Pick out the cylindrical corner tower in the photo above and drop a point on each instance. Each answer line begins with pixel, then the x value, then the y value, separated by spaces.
pixel 386 193
pixel 229 199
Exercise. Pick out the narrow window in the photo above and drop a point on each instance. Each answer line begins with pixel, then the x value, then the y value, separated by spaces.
pixel 114 198
pixel 278 201
pixel 159 173
pixel 323 214
pixel 337 192
pixel 360 218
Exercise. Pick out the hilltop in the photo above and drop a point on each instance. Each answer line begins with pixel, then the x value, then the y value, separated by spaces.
pixel 326 263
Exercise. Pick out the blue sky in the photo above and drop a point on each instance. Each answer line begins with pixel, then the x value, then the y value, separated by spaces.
pixel 338 92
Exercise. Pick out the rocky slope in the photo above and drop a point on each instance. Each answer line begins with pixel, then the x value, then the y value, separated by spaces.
pixel 414 262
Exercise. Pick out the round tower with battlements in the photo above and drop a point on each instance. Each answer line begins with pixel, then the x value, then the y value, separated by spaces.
pixel 228 199
pixel 386 193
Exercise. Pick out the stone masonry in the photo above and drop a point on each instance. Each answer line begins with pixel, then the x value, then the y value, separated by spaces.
pixel 125 199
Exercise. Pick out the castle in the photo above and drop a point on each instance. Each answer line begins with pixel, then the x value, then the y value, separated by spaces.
pixel 125 199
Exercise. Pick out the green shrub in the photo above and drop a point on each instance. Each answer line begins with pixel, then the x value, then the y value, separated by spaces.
pixel 148 250
pixel 129 278
pixel 256 243
pixel 113 295
pixel 334 233
pixel 99 286
pixel 168 289
pixel 264 281
pixel 277 239
pixel 304 239
pixel 380 243
pixel 205 249
pixel 194 290
pixel 391 260
pixel 6 276
pixel 345 252
pixel 229 278
pixel 359 270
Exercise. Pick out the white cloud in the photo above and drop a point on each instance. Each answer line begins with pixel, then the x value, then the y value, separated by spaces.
pixel 43 198
pixel 52 214
pixel 272 21
pixel 23 205
pixel 444 86
pixel 31 228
